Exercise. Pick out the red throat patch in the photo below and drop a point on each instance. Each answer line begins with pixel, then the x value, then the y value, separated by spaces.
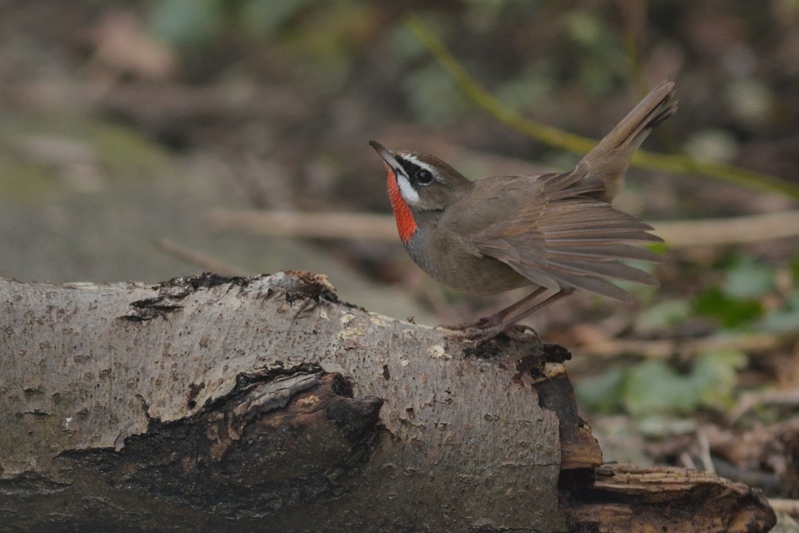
pixel 405 221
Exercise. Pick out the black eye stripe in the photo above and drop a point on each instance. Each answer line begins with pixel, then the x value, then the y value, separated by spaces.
pixel 417 174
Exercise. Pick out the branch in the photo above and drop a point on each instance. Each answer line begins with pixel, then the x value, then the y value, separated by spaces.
pixel 363 226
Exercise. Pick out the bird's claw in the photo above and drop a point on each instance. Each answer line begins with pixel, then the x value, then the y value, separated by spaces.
pixel 479 335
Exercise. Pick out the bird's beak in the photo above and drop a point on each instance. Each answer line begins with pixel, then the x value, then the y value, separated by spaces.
pixel 387 155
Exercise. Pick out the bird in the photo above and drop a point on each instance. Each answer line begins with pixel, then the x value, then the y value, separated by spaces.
pixel 553 232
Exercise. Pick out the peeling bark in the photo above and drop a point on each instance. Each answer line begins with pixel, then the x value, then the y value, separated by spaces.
pixel 265 403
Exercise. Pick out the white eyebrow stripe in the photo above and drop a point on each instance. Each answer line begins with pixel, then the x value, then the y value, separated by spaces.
pixel 407 191
pixel 413 159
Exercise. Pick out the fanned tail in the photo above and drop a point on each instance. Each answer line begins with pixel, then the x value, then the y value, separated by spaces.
pixel 610 158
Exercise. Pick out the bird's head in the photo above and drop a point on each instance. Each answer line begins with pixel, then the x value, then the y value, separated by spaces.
pixel 418 183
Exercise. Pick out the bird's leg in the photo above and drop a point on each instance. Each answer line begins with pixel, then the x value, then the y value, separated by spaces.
pixel 496 318
pixel 500 316
pixel 522 309
pixel 508 322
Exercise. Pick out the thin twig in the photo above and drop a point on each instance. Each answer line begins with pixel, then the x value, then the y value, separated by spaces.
pixel 781 505
pixel 367 226
pixel 574 143
pixel 658 349
pixel 704 451
pixel 716 231
pixel 200 259
pixel 359 226
pixel 687 461
pixel 750 400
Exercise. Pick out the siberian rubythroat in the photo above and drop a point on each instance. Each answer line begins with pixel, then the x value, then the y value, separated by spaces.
pixel 552 232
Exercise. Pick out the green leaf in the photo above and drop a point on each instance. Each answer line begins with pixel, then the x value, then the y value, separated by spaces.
pixel 749 279
pixel 714 376
pixel 785 319
pixel 433 97
pixel 661 426
pixel 654 387
pixel 603 393
pixel 187 23
pixel 659 248
pixel 663 314
pixel 714 144
pixel 731 312
pixel 750 101
pixel 404 44
pixel 781 321
pixel 262 17
pixel 529 90
pixel 585 27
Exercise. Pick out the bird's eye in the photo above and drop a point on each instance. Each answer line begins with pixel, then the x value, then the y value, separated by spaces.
pixel 424 177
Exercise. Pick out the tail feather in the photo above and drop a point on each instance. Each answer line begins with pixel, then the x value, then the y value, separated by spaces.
pixel 610 158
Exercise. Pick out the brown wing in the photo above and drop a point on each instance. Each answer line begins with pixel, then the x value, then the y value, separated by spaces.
pixel 562 238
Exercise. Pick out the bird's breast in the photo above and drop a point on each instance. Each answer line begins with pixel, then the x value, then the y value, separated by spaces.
pixel 445 257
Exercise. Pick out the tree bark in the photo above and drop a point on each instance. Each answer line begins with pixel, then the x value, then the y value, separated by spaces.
pixel 266 404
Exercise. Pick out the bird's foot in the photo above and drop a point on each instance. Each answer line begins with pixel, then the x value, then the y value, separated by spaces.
pixel 479 334
pixel 520 332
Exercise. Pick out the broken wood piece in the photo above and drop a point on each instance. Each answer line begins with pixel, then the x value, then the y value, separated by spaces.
pixel 637 500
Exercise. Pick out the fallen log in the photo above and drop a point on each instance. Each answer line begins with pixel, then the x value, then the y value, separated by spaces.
pixel 265 403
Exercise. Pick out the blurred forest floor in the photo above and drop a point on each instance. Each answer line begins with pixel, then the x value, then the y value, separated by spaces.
pixel 130 130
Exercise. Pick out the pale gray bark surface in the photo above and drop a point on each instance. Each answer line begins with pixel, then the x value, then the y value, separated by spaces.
pixel 259 403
